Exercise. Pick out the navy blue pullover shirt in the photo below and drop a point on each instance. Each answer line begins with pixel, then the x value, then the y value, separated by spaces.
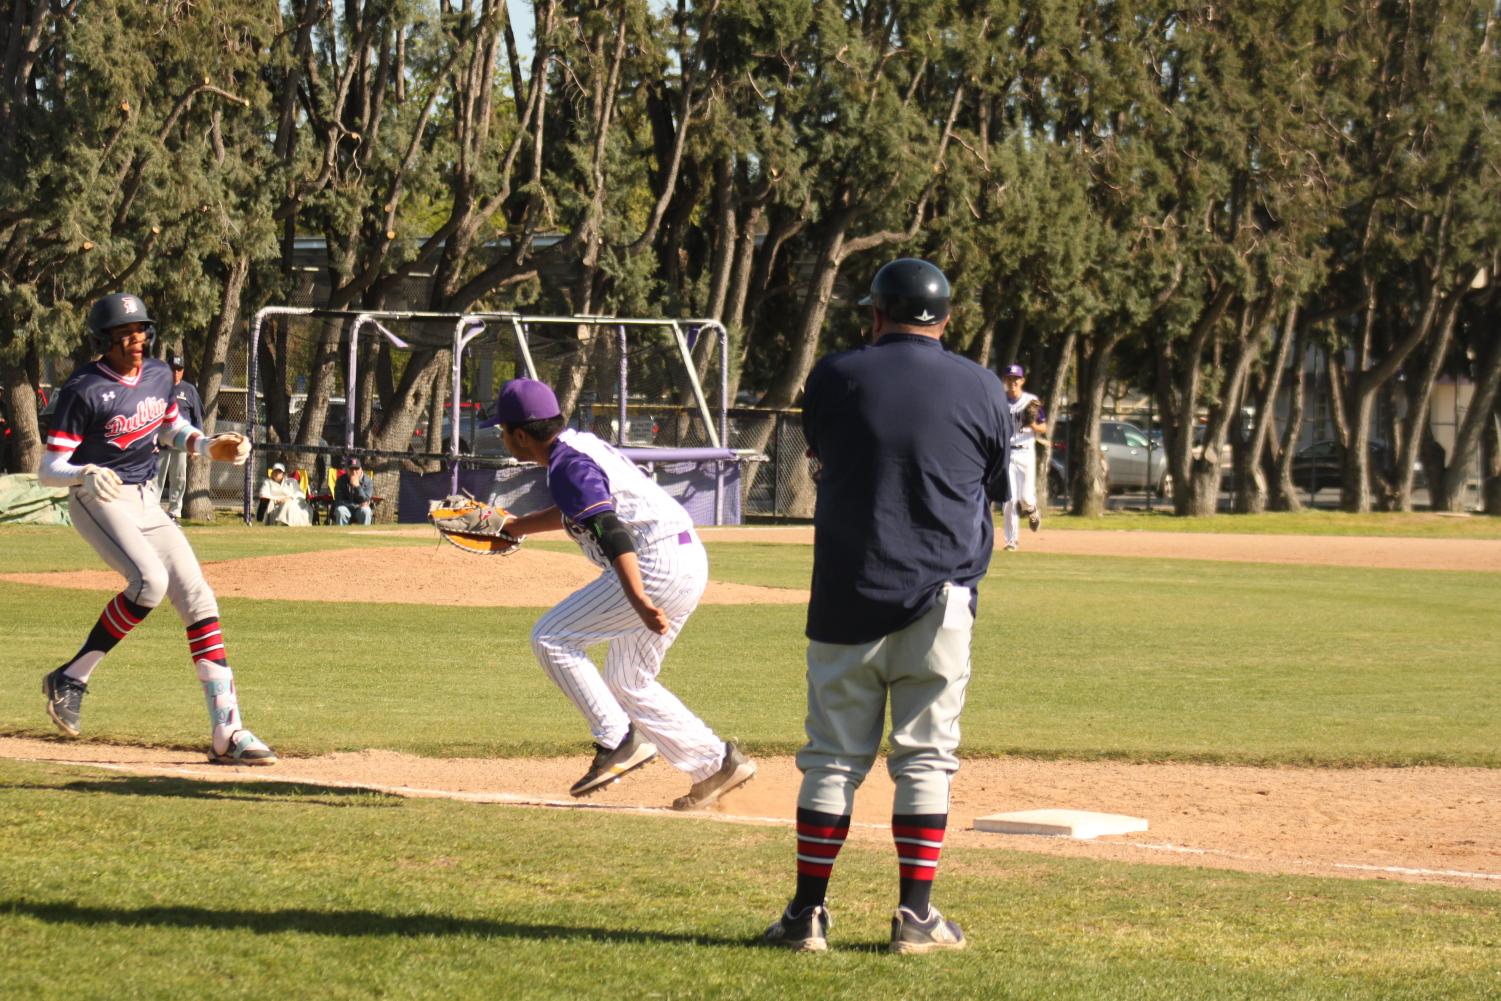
pixel 913 444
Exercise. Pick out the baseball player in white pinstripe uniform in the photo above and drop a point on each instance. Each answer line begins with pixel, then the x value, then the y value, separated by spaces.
pixel 654 571
pixel 111 417
pixel 1023 463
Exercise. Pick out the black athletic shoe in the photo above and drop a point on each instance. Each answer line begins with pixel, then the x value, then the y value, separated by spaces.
pixel 805 931
pixel 934 933
pixel 64 700
pixel 609 765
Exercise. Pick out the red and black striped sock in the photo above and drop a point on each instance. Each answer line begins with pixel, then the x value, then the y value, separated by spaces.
pixel 919 840
pixel 119 617
pixel 819 838
pixel 206 642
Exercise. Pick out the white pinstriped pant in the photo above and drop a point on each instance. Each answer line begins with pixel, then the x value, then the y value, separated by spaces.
pixel 674 575
pixel 1022 469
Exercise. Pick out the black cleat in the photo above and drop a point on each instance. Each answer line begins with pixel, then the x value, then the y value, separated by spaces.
pixel 64 700
pixel 935 933
pixel 805 931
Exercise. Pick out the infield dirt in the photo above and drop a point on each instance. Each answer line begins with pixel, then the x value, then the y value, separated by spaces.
pixel 1424 824
pixel 1413 824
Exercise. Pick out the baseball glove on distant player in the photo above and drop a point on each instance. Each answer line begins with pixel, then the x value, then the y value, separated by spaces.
pixel 474 527
pixel 1030 415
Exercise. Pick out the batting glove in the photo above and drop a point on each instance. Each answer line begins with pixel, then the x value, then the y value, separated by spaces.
pixel 99 484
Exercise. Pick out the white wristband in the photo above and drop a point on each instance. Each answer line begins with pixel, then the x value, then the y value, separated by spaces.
pixel 201 444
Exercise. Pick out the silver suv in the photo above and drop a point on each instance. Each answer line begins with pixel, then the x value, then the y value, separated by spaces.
pixel 1131 461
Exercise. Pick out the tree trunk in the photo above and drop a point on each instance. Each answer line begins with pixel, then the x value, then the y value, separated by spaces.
pixel 1437 314
pixel 1284 491
pixel 1476 420
pixel 25 447
pixel 199 504
pixel 1251 491
pixel 1490 470
pixel 1055 393
pixel 1417 415
pixel 1090 486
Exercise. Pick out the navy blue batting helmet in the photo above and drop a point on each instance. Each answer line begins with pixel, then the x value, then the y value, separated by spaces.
pixel 115 311
pixel 910 290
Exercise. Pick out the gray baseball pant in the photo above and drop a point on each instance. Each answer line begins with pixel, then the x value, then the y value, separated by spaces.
pixel 136 538
pixel 172 479
pixel 922 671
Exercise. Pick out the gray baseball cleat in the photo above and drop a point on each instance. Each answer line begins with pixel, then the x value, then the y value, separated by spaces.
pixel 935 933
pixel 244 748
pixel 64 700
pixel 735 771
pixel 610 764
pixel 805 931
pixel 1034 519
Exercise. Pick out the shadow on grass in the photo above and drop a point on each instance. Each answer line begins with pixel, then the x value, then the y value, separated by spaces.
pixel 296 793
pixel 353 924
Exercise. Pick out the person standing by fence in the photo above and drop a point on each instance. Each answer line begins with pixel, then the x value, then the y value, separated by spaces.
pixel 172 474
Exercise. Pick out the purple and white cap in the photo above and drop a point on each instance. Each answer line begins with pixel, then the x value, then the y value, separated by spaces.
pixel 1014 371
pixel 523 400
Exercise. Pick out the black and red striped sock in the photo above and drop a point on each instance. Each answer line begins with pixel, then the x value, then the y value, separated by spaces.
pixel 919 840
pixel 819 838
pixel 119 617
pixel 206 642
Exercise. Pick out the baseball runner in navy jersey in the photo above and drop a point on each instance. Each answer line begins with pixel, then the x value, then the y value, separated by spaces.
pixel 912 443
pixel 111 416
pixel 653 571
pixel 1022 469
pixel 172 465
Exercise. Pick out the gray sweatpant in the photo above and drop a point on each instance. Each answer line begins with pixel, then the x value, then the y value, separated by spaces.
pixel 172 479
pixel 923 671
pixel 136 538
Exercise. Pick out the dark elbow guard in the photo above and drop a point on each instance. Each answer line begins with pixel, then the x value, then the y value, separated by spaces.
pixel 612 536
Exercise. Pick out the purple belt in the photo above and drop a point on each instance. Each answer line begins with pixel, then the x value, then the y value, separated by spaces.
pixel 684 538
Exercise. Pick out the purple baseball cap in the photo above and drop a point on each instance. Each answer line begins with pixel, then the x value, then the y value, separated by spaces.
pixel 1014 370
pixel 523 400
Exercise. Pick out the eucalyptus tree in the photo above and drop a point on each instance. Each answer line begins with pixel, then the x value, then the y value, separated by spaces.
pixel 1415 118
pixel 1230 125
pixel 120 167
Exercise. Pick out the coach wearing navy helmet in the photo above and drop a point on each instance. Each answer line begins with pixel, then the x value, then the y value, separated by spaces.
pixel 912 442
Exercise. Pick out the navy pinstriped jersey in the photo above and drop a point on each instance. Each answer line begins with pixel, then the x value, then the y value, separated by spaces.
pixel 107 420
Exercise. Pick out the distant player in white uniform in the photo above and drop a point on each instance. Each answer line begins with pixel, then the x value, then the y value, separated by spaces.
pixel 111 416
pixel 654 572
pixel 1023 468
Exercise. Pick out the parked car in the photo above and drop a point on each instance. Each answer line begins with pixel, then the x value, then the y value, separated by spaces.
pixel 1131 461
pixel 1316 467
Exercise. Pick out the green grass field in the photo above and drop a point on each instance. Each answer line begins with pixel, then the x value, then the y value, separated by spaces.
pixel 145 887
pixel 1377 523
pixel 121 886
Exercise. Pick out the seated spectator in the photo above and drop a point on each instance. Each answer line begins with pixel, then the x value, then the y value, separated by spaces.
pixel 285 501
pixel 353 494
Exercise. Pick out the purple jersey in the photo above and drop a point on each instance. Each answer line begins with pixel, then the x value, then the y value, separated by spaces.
pixel 587 477
pixel 105 419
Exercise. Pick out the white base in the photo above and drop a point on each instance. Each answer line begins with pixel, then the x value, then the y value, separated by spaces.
pixel 1079 824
